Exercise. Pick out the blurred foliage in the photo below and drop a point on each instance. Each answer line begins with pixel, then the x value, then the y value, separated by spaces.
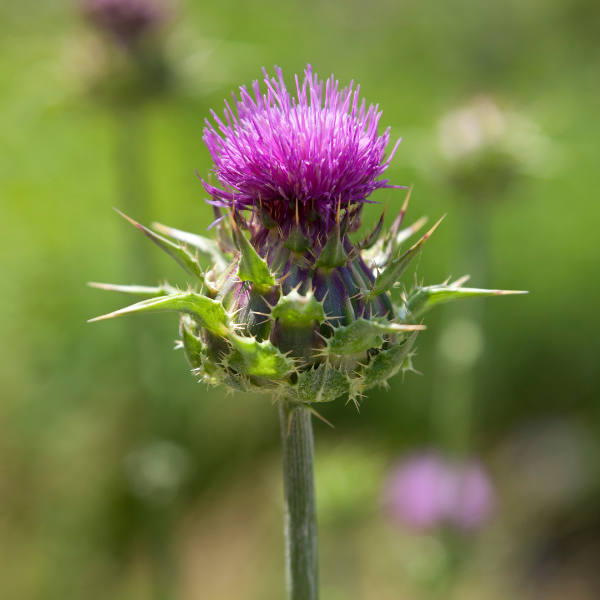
pixel 108 491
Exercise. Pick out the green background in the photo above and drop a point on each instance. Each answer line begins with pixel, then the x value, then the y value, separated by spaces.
pixel 85 509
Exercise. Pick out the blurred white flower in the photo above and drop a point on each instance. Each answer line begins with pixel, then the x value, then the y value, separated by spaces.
pixel 484 148
pixel 471 128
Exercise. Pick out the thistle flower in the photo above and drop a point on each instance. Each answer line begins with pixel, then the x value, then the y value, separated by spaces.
pixel 309 150
pixel 296 309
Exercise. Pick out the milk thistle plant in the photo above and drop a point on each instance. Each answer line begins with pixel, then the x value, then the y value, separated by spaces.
pixel 292 307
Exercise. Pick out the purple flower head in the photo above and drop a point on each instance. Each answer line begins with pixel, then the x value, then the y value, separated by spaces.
pixel 428 490
pixel 125 20
pixel 314 150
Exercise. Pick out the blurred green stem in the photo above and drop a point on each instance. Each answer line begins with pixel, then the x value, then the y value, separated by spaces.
pixel 147 401
pixel 455 388
pixel 132 173
pixel 301 552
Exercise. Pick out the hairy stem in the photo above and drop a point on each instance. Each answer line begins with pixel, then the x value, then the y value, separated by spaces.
pixel 300 509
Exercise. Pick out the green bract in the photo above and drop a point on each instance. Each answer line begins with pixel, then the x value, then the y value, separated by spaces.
pixel 295 309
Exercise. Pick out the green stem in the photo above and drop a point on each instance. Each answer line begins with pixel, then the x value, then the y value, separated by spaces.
pixel 301 551
pixel 133 173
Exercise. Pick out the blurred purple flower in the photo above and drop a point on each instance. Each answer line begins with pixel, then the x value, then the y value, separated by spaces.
pixel 125 20
pixel 427 490
pixel 418 491
pixel 476 496
pixel 312 149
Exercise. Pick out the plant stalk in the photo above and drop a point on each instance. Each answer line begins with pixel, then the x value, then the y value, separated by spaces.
pixel 148 398
pixel 456 385
pixel 301 550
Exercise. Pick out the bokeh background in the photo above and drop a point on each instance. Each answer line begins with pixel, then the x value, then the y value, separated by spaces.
pixel 122 478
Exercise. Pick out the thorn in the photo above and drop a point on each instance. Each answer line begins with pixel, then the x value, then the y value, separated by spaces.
pixel 103 317
pixel 285 276
pixel 459 281
pixel 509 292
pixel 386 205
pixel 271 306
pixel 314 412
pixel 428 234
pixel 403 235
pixel 135 223
pixel 332 318
pixel 398 222
pixel 322 336
pixel 407 199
